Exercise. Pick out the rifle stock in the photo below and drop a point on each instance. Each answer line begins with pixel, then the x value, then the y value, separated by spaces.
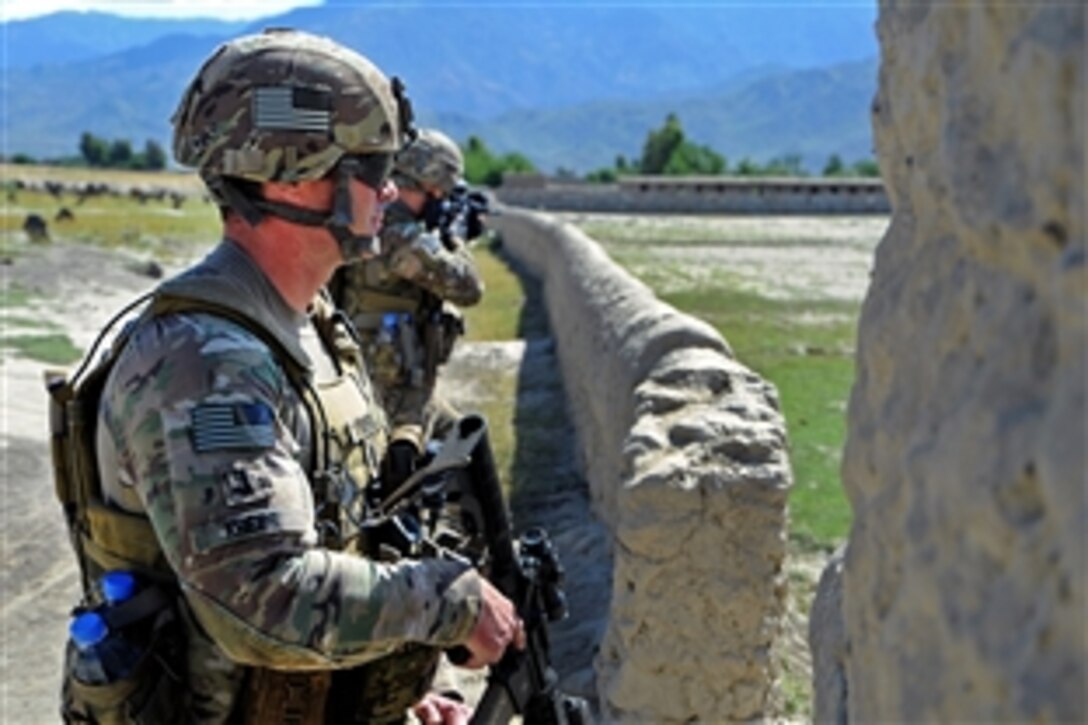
pixel 522 682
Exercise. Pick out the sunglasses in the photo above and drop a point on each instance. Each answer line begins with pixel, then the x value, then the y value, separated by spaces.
pixel 371 169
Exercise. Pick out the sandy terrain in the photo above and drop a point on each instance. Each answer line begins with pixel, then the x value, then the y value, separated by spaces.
pixel 784 257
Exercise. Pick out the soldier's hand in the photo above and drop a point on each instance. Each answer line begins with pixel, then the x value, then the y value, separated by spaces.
pixel 498 627
pixel 435 709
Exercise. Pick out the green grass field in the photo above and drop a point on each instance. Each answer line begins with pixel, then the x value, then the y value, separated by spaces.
pixel 812 367
pixel 155 226
pixel 154 229
pixel 782 324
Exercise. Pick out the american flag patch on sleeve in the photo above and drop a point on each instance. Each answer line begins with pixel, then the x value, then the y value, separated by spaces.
pixel 232 426
pixel 286 108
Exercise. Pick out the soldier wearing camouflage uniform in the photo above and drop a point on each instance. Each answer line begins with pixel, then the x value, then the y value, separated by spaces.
pixel 238 422
pixel 403 302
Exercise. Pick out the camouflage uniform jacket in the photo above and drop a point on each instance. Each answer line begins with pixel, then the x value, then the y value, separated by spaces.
pixel 201 430
pixel 417 278
pixel 413 262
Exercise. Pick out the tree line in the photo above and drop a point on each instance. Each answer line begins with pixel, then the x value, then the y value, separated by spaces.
pixel 666 151
pixel 119 154
pixel 103 153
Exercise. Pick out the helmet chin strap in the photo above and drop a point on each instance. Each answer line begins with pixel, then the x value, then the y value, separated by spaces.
pixel 353 247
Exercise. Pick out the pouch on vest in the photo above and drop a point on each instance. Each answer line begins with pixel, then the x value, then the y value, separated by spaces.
pixel 452 323
pixel 150 694
pixel 106 538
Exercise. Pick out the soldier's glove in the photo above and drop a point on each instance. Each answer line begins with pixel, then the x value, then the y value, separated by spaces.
pixel 400 463
pixel 434 213
pixel 474 225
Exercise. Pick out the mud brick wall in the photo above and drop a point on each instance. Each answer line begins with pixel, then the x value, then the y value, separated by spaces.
pixel 963 584
pixel 684 450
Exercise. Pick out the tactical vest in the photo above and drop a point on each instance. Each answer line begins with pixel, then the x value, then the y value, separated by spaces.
pixel 348 438
pixel 423 329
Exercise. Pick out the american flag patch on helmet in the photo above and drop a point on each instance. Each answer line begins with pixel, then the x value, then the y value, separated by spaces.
pixel 226 426
pixel 287 108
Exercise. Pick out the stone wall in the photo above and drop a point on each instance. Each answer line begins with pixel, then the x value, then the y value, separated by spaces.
pixel 684 449
pixel 964 578
pixel 698 195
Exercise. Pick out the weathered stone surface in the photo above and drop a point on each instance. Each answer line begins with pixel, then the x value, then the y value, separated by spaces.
pixel 827 640
pixel 964 583
pixel 684 449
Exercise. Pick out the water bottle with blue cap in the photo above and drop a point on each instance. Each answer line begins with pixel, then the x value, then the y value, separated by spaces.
pixel 117 586
pixel 103 656
pixel 388 331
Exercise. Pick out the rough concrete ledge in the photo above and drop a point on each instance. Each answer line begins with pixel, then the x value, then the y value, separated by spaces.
pixel 685 452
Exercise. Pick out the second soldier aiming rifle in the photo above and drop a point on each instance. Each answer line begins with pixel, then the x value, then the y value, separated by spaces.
pixel 457 501
pixel 460 214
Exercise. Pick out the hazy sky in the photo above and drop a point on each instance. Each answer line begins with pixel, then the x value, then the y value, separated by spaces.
pixel 221 9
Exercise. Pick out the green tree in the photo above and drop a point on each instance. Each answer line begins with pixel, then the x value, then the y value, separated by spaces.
pixel 94 150
pixel 688 158
pixel 478 160
pixel 866 167
pixel 785 165
pixel 153 156
pixel 603 175
pixel 834 166
pixel 120 154
pixel 660 145
pixel 667 151
pixel 484 167
pixel 747 167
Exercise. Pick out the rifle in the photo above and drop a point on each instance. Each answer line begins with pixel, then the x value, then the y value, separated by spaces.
pixel 460 215
pixel 461 478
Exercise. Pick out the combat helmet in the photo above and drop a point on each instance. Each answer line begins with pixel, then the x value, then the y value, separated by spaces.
pixel 288 106
pixel 431 158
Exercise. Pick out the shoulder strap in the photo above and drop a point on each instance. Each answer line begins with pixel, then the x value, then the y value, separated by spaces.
pixel 73 406
pixel 118 344
pixel 334 289
pixel 166 303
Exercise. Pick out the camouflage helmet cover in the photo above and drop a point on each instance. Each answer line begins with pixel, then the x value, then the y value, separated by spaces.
pixel 286 106
pixel 432 158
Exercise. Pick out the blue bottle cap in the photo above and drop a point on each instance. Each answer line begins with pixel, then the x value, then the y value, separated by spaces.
pixel 117 586
pixel 88 629
pixel 389 320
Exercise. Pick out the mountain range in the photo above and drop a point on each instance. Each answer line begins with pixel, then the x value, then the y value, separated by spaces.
pixel 570 86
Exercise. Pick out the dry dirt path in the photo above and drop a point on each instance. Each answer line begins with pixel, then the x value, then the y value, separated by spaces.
pixel 77 289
